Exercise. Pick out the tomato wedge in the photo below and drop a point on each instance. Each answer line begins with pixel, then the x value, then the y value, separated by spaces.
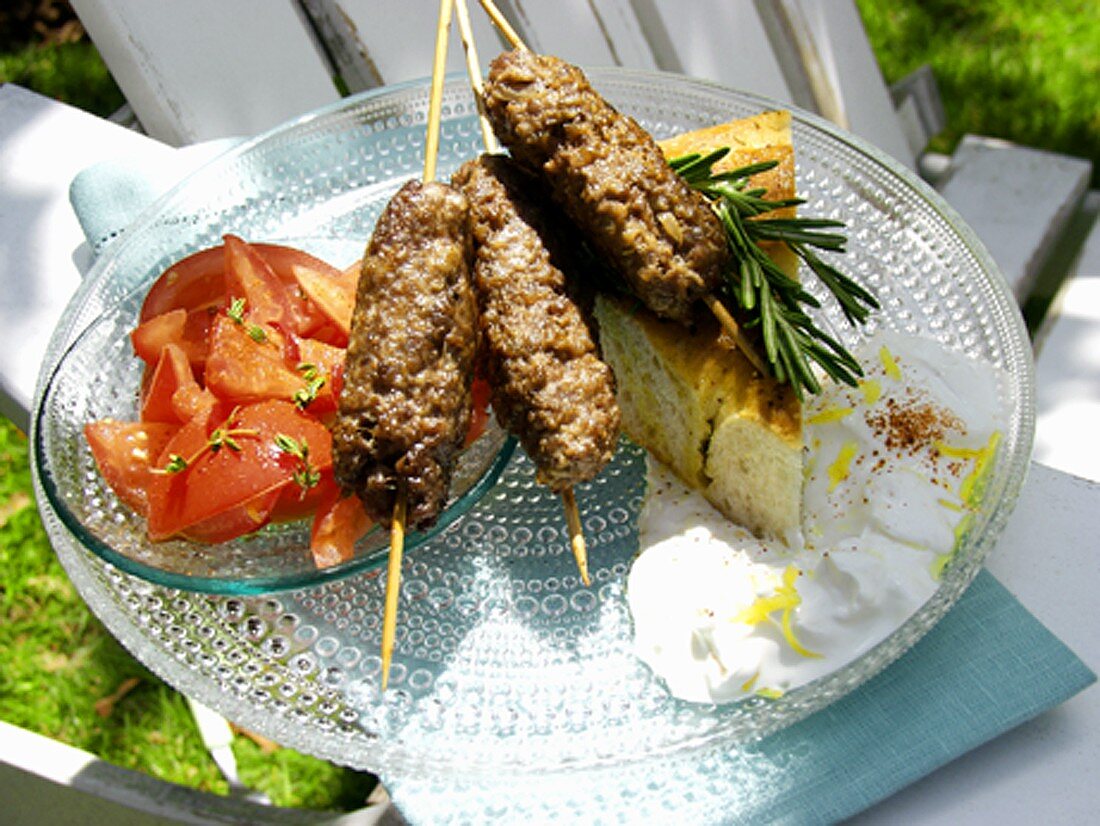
pixel 333 293
pixel 241 369
pixel 173 395
pixel 233 474
pixel 313 320
pixel 192 283
pixel 259 330
pixel 321 368
pixel 126 453
pixel 187 330
pixel 249 277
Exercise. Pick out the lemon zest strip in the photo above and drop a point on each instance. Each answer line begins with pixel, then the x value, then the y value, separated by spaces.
pixel 842 465
pixel 889 364
pixel 830 414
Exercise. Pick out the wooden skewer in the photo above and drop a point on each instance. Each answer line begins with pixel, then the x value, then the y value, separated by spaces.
pixel 400 505
pixel 733 330
pixel 576 534
pixel 435 101
pixel 502 24
pixel 569 501
pixel 473 70
pixel 393 581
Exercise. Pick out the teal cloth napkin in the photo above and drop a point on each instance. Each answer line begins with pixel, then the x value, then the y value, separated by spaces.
pixel 988 666
pixel 109 195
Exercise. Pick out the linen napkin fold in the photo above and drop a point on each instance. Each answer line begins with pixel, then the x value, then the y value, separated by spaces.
pixel 988 666
pixel 108 196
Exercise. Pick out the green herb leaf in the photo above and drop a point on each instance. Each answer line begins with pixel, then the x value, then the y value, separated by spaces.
pixel 305 475
pixel 763 295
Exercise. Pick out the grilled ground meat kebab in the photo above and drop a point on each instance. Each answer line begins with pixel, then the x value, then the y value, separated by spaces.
pixel 405 406
pixel 610 178
pixel 549 385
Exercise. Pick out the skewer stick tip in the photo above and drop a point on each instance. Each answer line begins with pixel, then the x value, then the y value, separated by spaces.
pixel 393 583
pixel 473 71
pixel 576 534
pixel 435 101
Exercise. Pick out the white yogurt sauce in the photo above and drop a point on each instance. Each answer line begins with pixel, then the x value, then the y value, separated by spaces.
pixel 890 474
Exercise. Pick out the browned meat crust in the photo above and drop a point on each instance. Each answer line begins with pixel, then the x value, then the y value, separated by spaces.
pixel 405 406
pixel 611 178
pixel 549 386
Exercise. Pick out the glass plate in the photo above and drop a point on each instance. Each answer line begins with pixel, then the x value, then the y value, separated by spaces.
pixel 505 663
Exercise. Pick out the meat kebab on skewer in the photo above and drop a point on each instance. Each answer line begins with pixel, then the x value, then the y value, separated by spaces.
pixel 405 406
pixel 549 385
pixel 611 179
pixel 677 233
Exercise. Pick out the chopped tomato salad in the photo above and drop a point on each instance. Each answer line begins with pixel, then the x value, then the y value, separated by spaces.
pixel 244 350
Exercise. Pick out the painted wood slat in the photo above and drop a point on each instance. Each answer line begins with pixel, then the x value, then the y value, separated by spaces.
pixel 395 39
pixel 585 32
pixel 725 42
pixel 853 71
pixel 207 68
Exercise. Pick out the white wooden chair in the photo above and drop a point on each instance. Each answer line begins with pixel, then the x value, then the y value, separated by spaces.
pixel 206 69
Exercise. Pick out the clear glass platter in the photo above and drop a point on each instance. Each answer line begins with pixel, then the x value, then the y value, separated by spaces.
pixel 505 662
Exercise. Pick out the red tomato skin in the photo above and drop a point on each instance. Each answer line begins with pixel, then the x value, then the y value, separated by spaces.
pixel 193 282
pixel 235 522
pixel 149 337
pixel 217 482
pixel 126 453
pixel 333 293
pixel 480 393
pixel 311 319
pixel 249 276
pixel 329 361
pixel 304 306
pixel 198 281
pixel 297 503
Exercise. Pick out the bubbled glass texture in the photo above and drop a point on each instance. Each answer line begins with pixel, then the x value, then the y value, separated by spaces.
pixel 505 663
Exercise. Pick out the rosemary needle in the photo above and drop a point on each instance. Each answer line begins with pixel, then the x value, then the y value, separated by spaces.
pixel 764 295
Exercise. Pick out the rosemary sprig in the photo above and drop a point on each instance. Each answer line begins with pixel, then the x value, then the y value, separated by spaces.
pixel 765 296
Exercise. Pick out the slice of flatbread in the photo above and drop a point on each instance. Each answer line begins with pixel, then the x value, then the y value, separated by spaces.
pixel 688 396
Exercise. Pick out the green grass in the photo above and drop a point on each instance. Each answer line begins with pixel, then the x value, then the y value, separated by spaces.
pixel 1021 70
pixel 69 72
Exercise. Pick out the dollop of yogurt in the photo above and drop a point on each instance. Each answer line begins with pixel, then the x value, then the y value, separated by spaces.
pixel 893 469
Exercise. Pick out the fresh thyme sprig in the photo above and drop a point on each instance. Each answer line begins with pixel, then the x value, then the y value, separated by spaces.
pixel 765 296
pixel 314 382
pixel 306 476
pixel 225 436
